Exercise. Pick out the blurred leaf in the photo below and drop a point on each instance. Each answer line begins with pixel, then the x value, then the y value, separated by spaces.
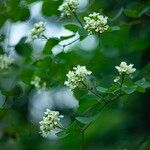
pixel 50 7
pixel 113 88
pixel 114 40
pixel 101 89
pixel 23 48
pixel 3 13
pixel 26 74
pixel 86 102
pixel 23 14
pixel 2 37
pixel 1 50
pixel 145 145
pixel 16 91
pixel 17 11
pixel 128 87
pixel 113 28
pixel 83 34
pixel 142 85
pixel 62 134
pixel 136 9
pixel 73 137
pixel 128 90
pixel 31 1
pixel 87 120
pixel 49 45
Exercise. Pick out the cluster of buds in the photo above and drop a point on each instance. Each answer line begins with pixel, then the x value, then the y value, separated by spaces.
pixel 124 69
pixel 96 23
pixel 50 121
pixel 37 83
pixel 37 31
pixel 76 76
pixel 68 7
pixel 5 62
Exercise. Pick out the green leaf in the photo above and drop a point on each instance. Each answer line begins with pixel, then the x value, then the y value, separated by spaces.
pixel 128 90
pixel 136 9
pixel 129 87
pixel 23 48
pixel 83 34
pixel 85 102
pixel 87 120
pixel 26 74
pixel 50 7
pixel 62 134
pixel 91 114
pixel 73 137
pixel 113 88
pixel 113 28
pixel 49 45
pixel 16 91
pixel 142 85
pixel 23 14
pixel 66 37
pixel 72 27
pixel 1 50
pixel 101 89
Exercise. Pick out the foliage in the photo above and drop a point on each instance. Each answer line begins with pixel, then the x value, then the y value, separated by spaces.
pixel 126 38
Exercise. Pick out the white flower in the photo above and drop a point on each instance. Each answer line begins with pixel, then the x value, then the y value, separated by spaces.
pixel 76 76
pixel 50 121
pixel 95 23
pixel 37 31
pixel 125 69
pixel 68 7
pixel 38 83
pixel 5 61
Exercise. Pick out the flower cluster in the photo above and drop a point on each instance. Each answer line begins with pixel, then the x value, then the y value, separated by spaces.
pixel 50 121
pixel 76 76
pixel 95 23
pixel 38 83
pixel 37 31
pixel 68 7
pixel 124 69
pixel 5 61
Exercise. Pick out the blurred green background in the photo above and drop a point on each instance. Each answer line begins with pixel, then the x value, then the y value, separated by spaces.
pixel 125 125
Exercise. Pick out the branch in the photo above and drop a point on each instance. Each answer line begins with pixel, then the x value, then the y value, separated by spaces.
pixel 65 45
pixel 92 122
pixel 75 15
pixel 96 94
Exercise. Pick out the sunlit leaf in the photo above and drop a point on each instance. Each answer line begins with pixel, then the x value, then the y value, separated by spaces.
pixel 49 45
pixel 72 27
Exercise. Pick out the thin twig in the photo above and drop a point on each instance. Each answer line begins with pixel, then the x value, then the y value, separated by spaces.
pixel 96 94
pixel 107 102
pixel 65 45
pixel 119 13
pixel 75 15
pixel 45 37
pixel 92 122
